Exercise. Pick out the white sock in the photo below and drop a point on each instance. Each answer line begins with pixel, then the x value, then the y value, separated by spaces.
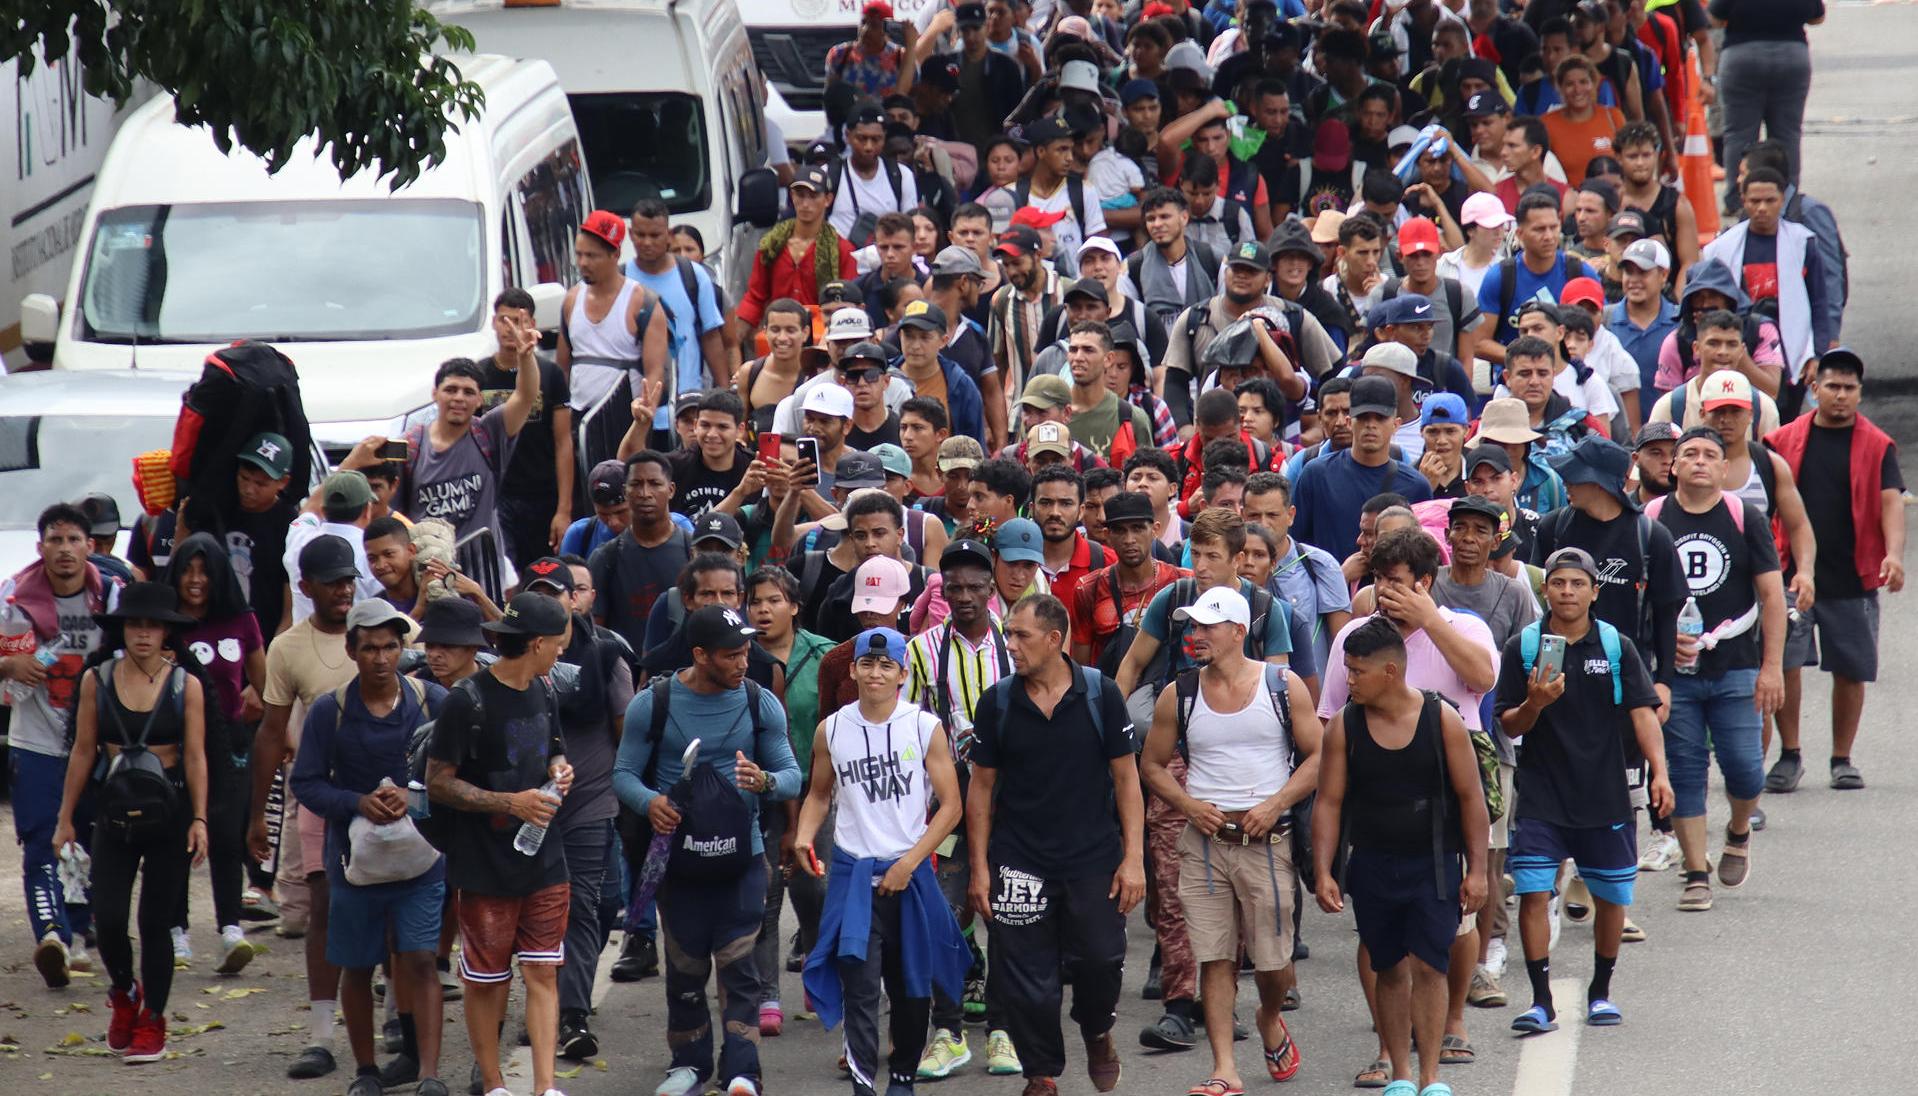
pixel 232 934
pixel 322 1023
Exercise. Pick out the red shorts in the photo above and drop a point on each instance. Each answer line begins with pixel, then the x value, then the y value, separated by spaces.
pixel 496 930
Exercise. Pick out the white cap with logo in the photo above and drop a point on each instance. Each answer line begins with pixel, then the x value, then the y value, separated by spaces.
pixel 1219 605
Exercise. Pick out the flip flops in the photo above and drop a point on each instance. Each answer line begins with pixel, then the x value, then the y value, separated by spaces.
pixel 1436 1088
pixel 1215 1086
pixel 1401 1088
pixel 1602 1013
pixel 1283 1064
pixel 1534 1021
pixel 1376 1075
pixel 1454 1050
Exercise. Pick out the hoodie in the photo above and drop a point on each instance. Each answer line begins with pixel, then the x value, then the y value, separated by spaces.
pixel 1675 362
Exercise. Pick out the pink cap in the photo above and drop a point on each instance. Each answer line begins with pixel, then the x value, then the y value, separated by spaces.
pixel 1484 209
pixel 878 585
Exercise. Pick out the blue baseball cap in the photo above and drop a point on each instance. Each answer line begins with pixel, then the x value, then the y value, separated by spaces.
pixel 1135 90
pixel 1444 409
pixel 1018 541
pixel 877 642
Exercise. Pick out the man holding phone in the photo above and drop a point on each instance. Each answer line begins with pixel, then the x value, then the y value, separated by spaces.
pixel 1571 687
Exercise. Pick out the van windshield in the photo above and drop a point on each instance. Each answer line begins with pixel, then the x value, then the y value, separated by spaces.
pixel 648 144
pixel 394 268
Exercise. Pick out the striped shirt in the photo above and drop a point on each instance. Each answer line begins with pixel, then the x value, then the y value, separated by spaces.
pixel 968 673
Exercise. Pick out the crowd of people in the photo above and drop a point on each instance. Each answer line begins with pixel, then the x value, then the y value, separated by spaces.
pixel 1190 458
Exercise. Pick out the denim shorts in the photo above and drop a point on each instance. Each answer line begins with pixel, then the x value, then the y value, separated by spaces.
pixel 1714 715
pixel 358 919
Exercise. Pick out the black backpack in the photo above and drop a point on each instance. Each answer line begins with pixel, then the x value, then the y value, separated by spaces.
pixel 436 826
pixel 1185 591
pixel 245 389
pixel 137 800
pixel 714 839
pixel 1075 197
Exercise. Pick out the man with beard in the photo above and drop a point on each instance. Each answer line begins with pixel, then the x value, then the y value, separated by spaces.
pixel 1652 456
pixel 1058 495
pixel 1020 306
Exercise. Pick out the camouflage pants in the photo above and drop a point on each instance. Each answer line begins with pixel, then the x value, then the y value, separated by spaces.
pixel 1178 973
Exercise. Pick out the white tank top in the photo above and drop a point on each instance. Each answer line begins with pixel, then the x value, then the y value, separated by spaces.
pixel 608 339
pixel 1753 490
pixel 879 772
pixel 1237 760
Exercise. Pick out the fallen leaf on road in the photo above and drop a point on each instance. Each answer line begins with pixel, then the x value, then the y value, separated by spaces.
pixel 236 994
pixel 190 1030
pixel 201 1004
pixel 599 1064
pixel 82 1052
pixel 569 1073
pixel 73 1039
pixel 79 1007
pixel 46 1076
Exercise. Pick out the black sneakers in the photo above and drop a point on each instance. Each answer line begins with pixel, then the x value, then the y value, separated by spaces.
pixel 576 1040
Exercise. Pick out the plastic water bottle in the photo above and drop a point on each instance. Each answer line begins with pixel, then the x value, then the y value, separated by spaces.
pixel 417 804
pixel 530 836
pixel 1691 623
pixel 16 638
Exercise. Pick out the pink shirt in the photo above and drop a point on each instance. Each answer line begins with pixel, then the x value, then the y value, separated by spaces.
pixel 1670 372
pixel 1425 667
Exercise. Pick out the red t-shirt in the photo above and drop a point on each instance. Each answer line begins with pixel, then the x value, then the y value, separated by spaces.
pixel 1095 619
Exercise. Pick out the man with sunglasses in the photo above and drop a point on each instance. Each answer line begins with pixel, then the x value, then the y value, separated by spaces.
pixel 862 371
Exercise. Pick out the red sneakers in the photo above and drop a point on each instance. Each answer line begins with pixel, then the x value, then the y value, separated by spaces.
pixel 149 1038
pixel 126 1012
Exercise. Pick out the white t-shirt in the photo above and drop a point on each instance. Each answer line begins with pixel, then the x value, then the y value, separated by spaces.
pixel 874 195
pixel 1237 760
pixel 879 779
pixel 1610 360
pixel 305 528
pixel 1452 264
pixel 1068 234
pixel 1111 176
pixel 1594 396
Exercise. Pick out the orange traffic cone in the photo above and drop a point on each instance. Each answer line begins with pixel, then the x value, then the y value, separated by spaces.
pixel 1695 161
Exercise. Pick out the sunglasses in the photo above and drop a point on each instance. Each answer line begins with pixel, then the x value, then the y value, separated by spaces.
pixel 862 376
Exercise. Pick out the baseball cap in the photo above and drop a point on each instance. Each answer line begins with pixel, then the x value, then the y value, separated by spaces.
pixel 954 259
pixel 876 7
pixel 1086 287
pixel 327 558
pixel 1494 455
pixel 960 452
pixel 718 628
pixel 1219 605
pixel 1018 541
pixel 836 522
pixel 1135 90
pixel 970 14
pixel 1485 210
pixel 1018 241
pixel 878 584
pixel 608 227
pixel 880 643
pixel 1035 218
pixel 1577 558
pixel 550 571
pixel 867 351
pixel 1401 137
pixel 924 316
pixel 345 488
pixel 1419 236
pixel 831 400
pixel 103 514
pixel 452 622
pixel 1544 308
pixel 1053 127
pixel 1725 388
pixel 1599 461
pixel 1079 76
pixel 1388 355
pixel 1127 506
pixel 965 551
pixel 1476 504
pixel 1581 291
pixel 607 484
pixel 686 403
pixel 1507 422
pixel 377 612
pixel 270 453
pixel 1251 253
pixel 530 614
pixel 1188 56
pixel 841 293
pixel 850 324
pixel 1628 222
pixel 1099 243
pixel 858 469
pixel 1049 437
pixel 1332 146
pixel 1444 409
pixel 1045 392
pixel 724 528
pixel 1375 395
pixel 811 177
pixel 1654 432
pixel 1484 104
pixel 892 458
pixel 1646 254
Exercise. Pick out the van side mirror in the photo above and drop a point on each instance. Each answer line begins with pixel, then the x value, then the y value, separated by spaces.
pixel 759 198
pixel 39 327
pixel 548 299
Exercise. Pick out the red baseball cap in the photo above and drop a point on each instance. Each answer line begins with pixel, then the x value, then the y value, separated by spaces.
pixel 876 7
pixel 1419 236
pixel 1033 217
pixel 1332 146
pixel 609 228
pixel 1583 291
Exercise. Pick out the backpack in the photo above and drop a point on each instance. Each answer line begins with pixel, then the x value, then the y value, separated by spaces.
pixel 1001 691
pixel 436 827
pixel 1185 591
pixel 1795 211
pixel 137 800
pixel 244 389
pixel 713 841
pixel 1678 413
pixel 1187 686
pixel 863 223
pixel 1528 639
pixel 1454 295
pixel 1075 196
pixel 1562 518
pixel 1195 252
pixel 1508 286
pixel 1732 502
pixel 1198 315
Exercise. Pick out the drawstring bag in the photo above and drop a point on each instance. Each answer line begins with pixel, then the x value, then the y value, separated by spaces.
pixel 386 852
pixel 714 840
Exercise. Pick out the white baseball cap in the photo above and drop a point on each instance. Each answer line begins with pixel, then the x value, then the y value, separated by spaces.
pixel 1646 254
pixel 849 325
pixel 1396 357
pixel 828 399
pixel 1219 605
pixel 1099 243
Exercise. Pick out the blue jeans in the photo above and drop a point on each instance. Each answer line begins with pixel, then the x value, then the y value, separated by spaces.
pixel 38 781
pixel 1714 715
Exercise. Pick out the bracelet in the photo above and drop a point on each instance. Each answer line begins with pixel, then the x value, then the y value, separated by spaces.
pixel 200 820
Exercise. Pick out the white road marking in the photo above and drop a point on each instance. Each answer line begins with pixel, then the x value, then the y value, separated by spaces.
pixel 1548 1062
pixel 520 1062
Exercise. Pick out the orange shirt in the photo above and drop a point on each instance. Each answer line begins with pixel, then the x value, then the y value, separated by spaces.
pixel 1577 143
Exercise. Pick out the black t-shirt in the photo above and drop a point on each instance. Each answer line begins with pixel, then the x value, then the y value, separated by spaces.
pixel 1721 565
pixel 586 722
pixel 1322 191
pixel 1824 481
pixel 1053 812
pixel 1053 327
pixel 507 748
pixel 834 619
pixel 697 488
pixel 529 472
pixel 1615 546
pixel 864 440
pixel 256 543
pixel 1765 20
pixel 630 577
pixel 1571 764
pixel 1453 198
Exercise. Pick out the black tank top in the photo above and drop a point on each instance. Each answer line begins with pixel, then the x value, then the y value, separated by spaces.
pixel 1662 218
pixel 120 724
pixel 1391 795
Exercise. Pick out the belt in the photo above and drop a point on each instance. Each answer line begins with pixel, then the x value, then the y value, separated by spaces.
pixel 1280 832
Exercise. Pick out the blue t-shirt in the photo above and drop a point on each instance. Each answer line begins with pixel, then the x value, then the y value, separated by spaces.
pixel 1311 582
pixel 587 534
pixel 1157 623
pixel 690 375
pixel 1544 287
pixel 1332 490
pixel 723 726
pixel 1643 343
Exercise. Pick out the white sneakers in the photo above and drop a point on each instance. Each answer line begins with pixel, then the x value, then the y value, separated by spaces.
pixel 1495 958
pixel 1660 853
pixel 235 951
pixel 52 959
pixel 680 1081
pixel 182 947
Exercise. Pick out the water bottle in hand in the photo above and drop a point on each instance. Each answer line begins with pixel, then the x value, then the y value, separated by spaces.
pixel 417 804
pixel 1691 623
pixel 530 836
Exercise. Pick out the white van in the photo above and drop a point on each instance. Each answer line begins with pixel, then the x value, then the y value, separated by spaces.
pixel 790 40
pixel 669 106
pixel 367 290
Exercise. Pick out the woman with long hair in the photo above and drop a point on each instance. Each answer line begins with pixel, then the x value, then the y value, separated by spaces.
pixel 141 701
pixel 225 640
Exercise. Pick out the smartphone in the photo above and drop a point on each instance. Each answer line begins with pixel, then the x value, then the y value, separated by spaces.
pixel 393 450
pixel 1551 655
pixel 769 447
pixel 808 452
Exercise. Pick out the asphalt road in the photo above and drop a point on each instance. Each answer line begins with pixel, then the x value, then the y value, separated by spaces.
pixel 1796 983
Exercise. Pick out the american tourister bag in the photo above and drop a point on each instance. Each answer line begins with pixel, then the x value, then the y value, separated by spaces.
pixel 714 839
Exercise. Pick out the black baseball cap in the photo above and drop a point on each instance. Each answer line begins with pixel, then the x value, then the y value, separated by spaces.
pixel 718 628
pixel 965 551
pixel 530 614
pixel 714 525
pixel 103 514
pixel 1484 104
pixel 1127 506
pixel 813 178
pixel 1491 453
pixel 1046 129
pixel 550 571
pixel 842 293
pixel 1374 396
pixel 608 483
pixel 1478 505
pixel 327 558
pixel 1087 287
pixel 925 316
pixel 970 14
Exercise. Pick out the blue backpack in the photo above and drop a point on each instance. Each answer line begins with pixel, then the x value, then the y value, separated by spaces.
pixel 1607 638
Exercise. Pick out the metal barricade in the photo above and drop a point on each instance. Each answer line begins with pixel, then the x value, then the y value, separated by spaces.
pixel 478 556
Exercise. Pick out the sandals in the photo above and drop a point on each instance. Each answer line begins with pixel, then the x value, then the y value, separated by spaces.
pixel 1376 1075
pixel 1455 1051
pixel 1283 1064
pixel 1602 1013
pixel 1534 1021
pixel 1215 1086
pixel 1845 777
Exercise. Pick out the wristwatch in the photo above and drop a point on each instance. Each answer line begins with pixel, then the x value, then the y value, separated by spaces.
pixel 1711 78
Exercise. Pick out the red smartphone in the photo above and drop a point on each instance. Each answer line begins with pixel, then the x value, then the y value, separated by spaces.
pixel 769 447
